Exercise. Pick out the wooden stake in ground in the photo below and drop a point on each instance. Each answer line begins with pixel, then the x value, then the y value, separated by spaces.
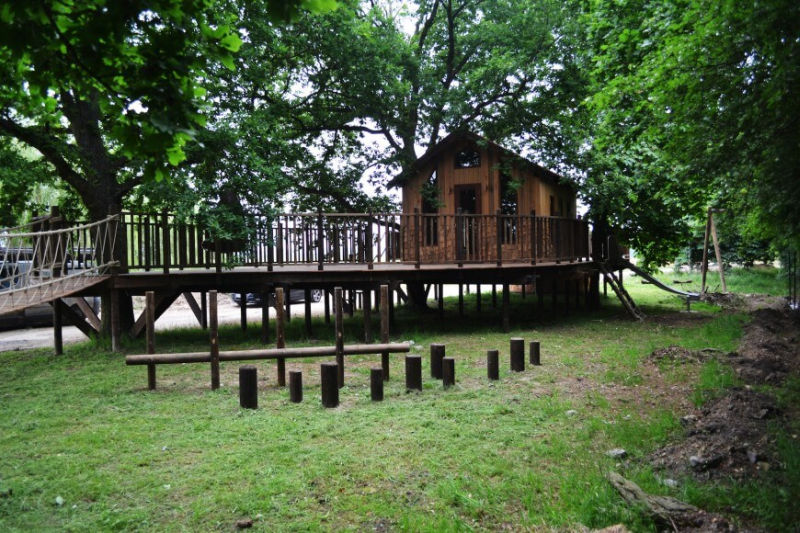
pixel 704 264
pixel 214 338
pixel 385 331
pixel 150 332
pixel 280 334
pixel 720 266
pixel 339 326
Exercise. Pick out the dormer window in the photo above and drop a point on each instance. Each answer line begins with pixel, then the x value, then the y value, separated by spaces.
pixel 468 158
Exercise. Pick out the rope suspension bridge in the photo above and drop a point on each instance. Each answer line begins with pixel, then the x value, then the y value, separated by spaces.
pixel 46 260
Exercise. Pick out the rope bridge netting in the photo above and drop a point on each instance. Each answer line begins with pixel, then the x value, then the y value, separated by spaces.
pixel 47 259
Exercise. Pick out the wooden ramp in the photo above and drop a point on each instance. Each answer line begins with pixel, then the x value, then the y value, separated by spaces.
pixel 47 291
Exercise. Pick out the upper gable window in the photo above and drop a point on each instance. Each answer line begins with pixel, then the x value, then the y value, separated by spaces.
pixel 468 158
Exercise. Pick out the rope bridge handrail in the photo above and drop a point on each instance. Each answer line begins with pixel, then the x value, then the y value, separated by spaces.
pixel 39 266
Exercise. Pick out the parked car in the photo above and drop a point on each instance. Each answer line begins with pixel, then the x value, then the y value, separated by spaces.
pixel 296 296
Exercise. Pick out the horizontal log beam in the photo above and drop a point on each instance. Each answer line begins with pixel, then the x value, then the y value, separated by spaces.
pixel 269 353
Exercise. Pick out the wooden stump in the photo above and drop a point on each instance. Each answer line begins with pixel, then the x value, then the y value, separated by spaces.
pixel 493 365
pixel 448 372
pixel 295 386
pixel 248 387
pixel 534 353
pixel 517 354
pixel 329 384
pixel 437 353
pixel 413 372
pixel 376 384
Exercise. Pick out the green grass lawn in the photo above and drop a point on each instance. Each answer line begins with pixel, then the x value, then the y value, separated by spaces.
pixel 527 452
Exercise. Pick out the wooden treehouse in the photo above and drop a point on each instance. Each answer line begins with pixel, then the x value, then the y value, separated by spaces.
pixel 474 201
pixel 473 213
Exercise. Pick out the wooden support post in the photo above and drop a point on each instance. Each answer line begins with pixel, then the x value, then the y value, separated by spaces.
pixel 539 294
pixel 150 335
pixel 280 334
pixel 478 298
pixel 448 372
pixel 327 303
pixel 265 317
pixel 307 310
pixel 339 325
pixel 351 298
pixel 517 352
pixel 385 331
pixel 287 298
pixel 440 301
pixel 213 326
pixel 295 386
pixel 704 264
pixel 320 241
pixel 535 358
pixel 460 299
pixel 116 329
pixel 413 372
pixel 204 310
pixel 248 387
pixel 58 339
pixel 391 306
pixel 376 379
pixel 494 295
pixel 718 254
pixel 506 308
pixel 367 311
pixel 437 354
pixel 329 387
pixel 493 365
pixel 243 311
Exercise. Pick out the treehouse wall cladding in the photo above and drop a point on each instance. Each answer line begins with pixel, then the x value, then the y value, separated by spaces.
pixel 475 177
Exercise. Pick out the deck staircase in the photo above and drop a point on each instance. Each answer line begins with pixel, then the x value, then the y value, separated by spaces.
pixel 621 293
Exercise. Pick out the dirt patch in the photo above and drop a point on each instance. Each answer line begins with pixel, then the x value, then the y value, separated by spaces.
pixel 729 436
pixel 679 354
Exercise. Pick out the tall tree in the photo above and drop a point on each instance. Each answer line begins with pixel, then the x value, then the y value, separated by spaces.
pixel 693 105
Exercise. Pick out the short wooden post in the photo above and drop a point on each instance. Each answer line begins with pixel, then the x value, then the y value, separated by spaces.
pixel 58 339
pixel 243 311
pixel 280 334
pixel 367 311
pixel 329 386
pixel 493 364
pixel 517 354
pixel 295 386
pixel 385 331
pixel 150 334
pixel 248 387
pixel 535 358
pixel 307 310
pixel 339 326
pixel 413 372
pixel 506 308
pixel 265 317
pixel 448 372
pixel 213 327
pixel 437 354
pixel 376 379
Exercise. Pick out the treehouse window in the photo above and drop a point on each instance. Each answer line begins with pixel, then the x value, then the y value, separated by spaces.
pixel 430 209
pixel 508 206
pixel 468 158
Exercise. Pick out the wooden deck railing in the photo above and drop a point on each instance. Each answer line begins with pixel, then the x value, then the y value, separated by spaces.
pixel 162 241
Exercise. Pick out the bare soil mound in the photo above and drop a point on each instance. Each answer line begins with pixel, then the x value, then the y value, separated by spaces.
pixel 729 436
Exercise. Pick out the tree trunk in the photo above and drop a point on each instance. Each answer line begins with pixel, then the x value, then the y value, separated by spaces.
pixel 417 295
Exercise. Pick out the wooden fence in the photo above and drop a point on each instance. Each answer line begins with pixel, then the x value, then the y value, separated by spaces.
pixel 162 241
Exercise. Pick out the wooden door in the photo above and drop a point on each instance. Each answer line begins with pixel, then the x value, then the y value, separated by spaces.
pixel 468 209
